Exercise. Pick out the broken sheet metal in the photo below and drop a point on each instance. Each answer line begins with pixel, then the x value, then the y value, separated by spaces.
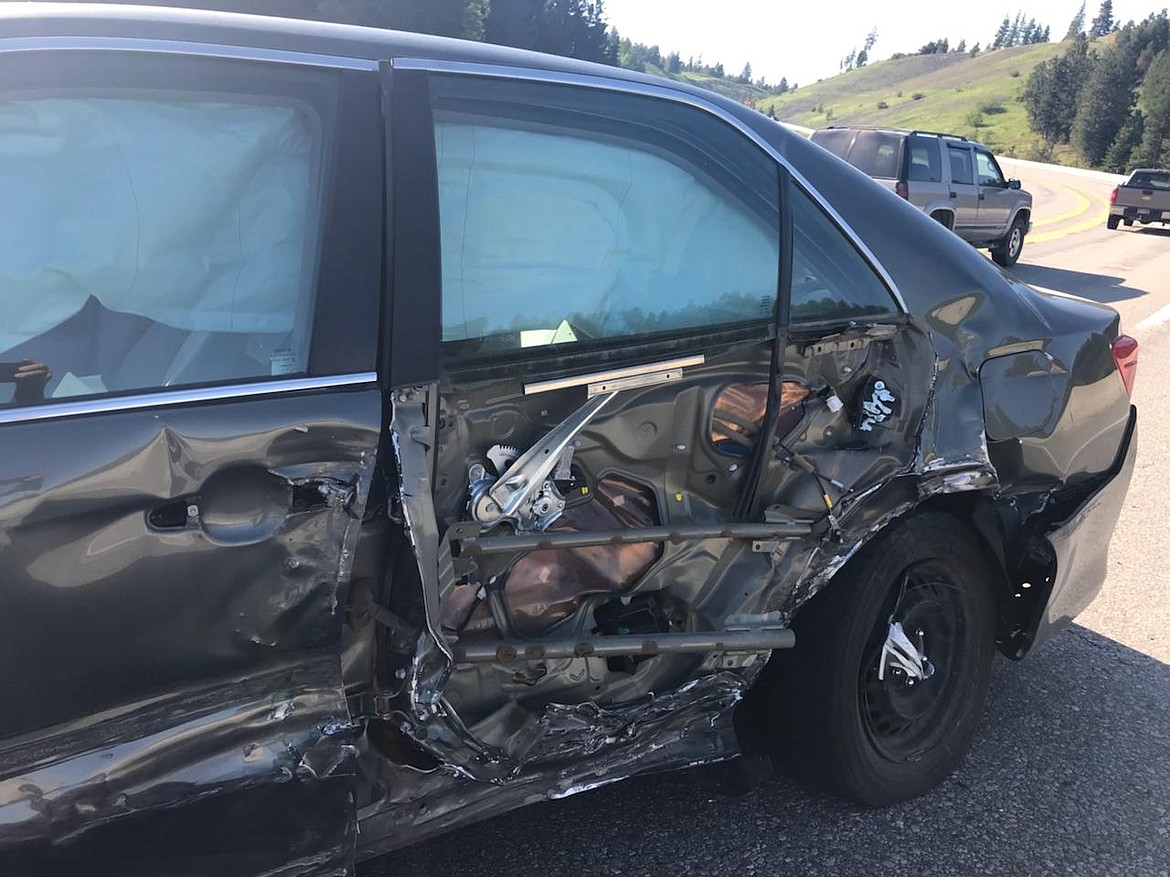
pixel 254 774
pixel 569 749
pixel 950 455
pixel 172 608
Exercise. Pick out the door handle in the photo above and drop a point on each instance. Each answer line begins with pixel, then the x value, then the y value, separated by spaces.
pixel 981 196
pixel 176 515
pixel 954 194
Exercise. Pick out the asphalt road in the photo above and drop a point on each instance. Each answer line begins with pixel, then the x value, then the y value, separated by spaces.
pixel 1070 772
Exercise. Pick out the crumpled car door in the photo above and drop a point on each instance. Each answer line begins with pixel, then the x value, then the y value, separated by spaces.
pixel 174 556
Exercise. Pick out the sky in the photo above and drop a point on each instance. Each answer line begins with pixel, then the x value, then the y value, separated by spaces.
pixel 805 41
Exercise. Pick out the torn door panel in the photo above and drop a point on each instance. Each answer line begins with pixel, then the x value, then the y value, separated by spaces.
pixel 181 580
pixel 577 748
pixel 270 757
pixel 661 438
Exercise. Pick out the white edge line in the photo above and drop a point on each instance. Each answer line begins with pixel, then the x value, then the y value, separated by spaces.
pixel 1161 315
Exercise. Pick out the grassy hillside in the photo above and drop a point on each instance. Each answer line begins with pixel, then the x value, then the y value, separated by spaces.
pixel 975 97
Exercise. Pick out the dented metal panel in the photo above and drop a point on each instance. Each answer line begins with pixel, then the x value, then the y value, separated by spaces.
pixel 153 661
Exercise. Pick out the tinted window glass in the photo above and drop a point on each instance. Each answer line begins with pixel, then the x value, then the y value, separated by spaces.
pixel 836 140
pixel 877 154
pixel 570 216
pixel 989 173
pixel 1151 180
pixel 925 165
pixel 961 170
pixel 154 239
pixel 830 279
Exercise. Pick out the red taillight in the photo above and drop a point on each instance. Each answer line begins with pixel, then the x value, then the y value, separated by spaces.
pixel 1125 354
pixel 902 190
pixel 1113 199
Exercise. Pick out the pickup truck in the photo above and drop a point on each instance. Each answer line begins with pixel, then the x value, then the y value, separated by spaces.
pixel 1144 197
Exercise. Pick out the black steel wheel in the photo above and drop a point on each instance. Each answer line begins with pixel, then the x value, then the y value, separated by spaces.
pixel 882 695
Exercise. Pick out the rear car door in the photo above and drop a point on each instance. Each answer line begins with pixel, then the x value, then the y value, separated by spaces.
pixel 190 266
pixel 927 188
pixel 616 266
pixel 996 200
pixel 964 194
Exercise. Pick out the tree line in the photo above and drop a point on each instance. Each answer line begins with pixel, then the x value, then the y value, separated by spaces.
pixel 649 59
pixel 575 28
pixel 572 28
pixel 1110 102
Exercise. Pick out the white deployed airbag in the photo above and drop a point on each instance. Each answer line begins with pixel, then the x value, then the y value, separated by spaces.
pixel 540 227
pixel 193 214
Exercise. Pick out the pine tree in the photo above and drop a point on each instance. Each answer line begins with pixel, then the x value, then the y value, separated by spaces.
pixel 1053 90
pixel 1118 159
pixel 1106 102
pixel 962 46
pixel 1103 24
pixel 1154 150
pixel 1077 25
pixel 1001 35
pixel 1013 34
pixel 975 50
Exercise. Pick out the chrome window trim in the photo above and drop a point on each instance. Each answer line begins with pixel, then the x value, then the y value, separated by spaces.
pixel 168 398
pixel 182 47
pixel 651 370
pixel 558 77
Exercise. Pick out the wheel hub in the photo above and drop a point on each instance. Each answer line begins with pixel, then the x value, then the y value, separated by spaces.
pixel 901 657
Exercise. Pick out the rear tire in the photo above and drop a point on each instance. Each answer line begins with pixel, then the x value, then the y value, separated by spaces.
pixel 944 218
pixel 1007 250
pixel 1112 222
pixel 883 741
pixel 1128 223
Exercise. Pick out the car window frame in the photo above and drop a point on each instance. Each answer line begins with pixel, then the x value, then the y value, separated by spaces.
pixel 1003 181
pixel 931 146
pixel 347 250
pixel 409 75
pixel 653 137
pixel 966 150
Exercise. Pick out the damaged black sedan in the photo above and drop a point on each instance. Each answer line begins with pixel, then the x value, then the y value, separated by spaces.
pixel 398 430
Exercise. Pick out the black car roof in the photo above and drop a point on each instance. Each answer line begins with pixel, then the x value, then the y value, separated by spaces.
pixel 100 20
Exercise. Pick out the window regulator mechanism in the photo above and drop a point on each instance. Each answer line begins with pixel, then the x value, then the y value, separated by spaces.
pixel 526 493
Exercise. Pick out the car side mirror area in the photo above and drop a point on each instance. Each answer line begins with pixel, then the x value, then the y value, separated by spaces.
pixel 1013 184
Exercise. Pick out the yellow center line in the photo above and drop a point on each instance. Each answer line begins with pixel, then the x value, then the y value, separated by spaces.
pixel 1083 204
pixel 1098 219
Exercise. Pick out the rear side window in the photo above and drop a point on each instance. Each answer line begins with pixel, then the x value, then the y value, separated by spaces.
pixel 830 279
pixel 572 217
pixel 1151 180
pixel 961 167
pixel 925 166
pixel 154 238
pixel 836 140
pixel 877 154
